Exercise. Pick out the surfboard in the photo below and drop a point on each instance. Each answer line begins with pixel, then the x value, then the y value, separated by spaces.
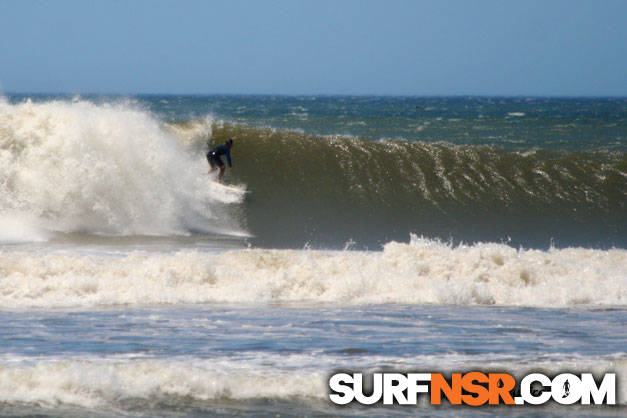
pixel 229 188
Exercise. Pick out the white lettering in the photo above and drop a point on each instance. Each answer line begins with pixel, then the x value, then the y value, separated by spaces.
pixel 606 388
pixel 339 383
pixel 525 389
pixel 377 389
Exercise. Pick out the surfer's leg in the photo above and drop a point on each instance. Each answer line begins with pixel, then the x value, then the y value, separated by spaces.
pixel 221 173
pixel 213 164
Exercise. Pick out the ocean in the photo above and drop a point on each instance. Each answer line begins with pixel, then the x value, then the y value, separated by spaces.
pixel 435 234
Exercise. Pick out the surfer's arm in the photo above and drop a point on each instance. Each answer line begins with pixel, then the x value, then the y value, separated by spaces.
pixel 228 158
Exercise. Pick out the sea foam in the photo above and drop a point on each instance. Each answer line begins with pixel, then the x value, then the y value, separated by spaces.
pixel 112 168
pixel 111 383
pixel 419 272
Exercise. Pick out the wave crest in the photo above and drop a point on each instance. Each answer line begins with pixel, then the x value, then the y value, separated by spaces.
pixel 99 168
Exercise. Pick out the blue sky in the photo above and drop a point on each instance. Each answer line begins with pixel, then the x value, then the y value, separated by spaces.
pixel 549 47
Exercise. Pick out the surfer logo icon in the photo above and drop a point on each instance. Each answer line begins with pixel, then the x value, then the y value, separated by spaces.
pixel 566 389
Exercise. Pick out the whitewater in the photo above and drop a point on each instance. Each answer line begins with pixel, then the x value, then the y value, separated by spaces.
pixel 421 272
pixel 106 169
pixel 377 234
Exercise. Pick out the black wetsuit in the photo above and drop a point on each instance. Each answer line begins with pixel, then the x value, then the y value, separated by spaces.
pixel 213 156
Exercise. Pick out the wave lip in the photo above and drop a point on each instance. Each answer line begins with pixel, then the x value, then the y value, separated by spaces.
pixel 421 272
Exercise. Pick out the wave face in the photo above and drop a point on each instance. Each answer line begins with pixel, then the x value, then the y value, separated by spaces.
pixel 332 189
pixel 76 166
pixel 422 271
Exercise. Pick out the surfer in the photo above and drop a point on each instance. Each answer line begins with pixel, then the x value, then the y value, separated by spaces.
pixel 213 157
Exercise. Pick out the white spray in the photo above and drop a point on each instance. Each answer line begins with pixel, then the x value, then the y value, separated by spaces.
pixel 97 168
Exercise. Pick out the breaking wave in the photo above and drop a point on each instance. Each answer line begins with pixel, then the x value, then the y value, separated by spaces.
pixel 126 385
pixel 75 166
pixel 328 190
pixel 113 168
pixel 423 271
